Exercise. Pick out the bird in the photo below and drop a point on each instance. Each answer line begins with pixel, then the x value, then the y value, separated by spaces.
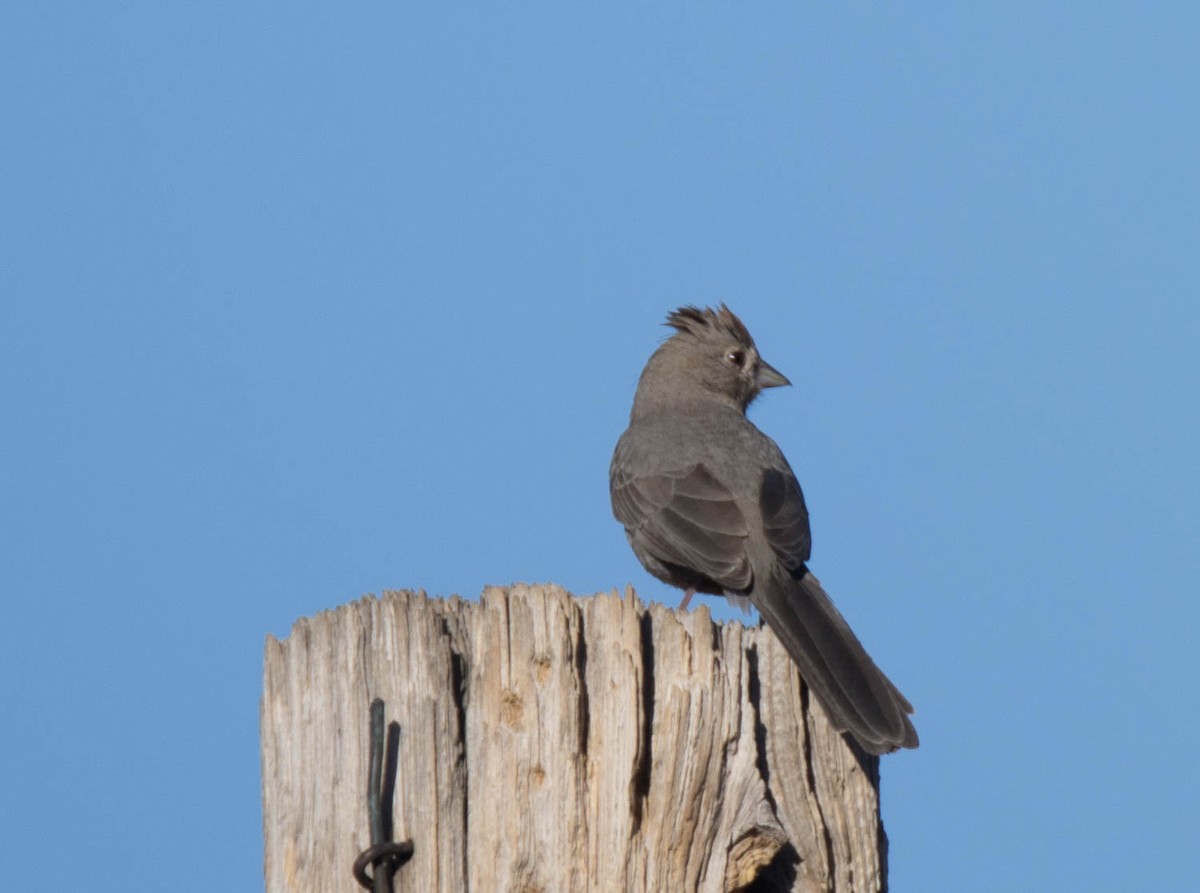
pixel 710 505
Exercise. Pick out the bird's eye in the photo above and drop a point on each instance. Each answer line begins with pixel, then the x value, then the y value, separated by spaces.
pixel 737 357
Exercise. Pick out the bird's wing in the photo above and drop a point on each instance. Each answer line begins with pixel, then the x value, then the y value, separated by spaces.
pixel 785 517
pixel 686 518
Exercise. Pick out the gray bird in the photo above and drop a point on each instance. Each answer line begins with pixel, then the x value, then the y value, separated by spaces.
pixel 710 505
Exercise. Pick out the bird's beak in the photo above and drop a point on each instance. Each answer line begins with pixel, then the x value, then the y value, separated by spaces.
pixel 770 377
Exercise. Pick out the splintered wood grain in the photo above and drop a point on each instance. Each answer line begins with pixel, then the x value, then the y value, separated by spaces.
pixel 551 743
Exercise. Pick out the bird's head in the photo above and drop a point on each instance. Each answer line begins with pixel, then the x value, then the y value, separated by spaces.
pixel 711 355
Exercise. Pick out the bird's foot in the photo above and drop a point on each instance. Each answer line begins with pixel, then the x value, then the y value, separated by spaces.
pixel 687 597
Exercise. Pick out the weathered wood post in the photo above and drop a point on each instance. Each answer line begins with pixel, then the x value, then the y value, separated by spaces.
pixel 550 743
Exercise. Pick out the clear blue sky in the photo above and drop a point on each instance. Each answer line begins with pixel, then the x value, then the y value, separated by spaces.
pixel 305 301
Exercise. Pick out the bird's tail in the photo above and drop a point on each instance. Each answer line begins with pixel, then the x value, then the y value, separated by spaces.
pixel 855 693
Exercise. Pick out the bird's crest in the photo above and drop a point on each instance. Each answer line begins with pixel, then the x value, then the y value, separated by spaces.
pixel 699 321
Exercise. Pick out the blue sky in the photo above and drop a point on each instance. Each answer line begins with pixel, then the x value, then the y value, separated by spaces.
pixel 299 302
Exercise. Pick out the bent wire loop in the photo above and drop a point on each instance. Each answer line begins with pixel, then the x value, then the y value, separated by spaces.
pixel 383 855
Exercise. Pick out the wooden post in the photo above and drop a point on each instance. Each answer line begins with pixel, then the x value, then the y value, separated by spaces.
pixel 550 743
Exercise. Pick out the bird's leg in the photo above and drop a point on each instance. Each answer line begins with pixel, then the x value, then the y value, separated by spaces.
pixel 687 597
